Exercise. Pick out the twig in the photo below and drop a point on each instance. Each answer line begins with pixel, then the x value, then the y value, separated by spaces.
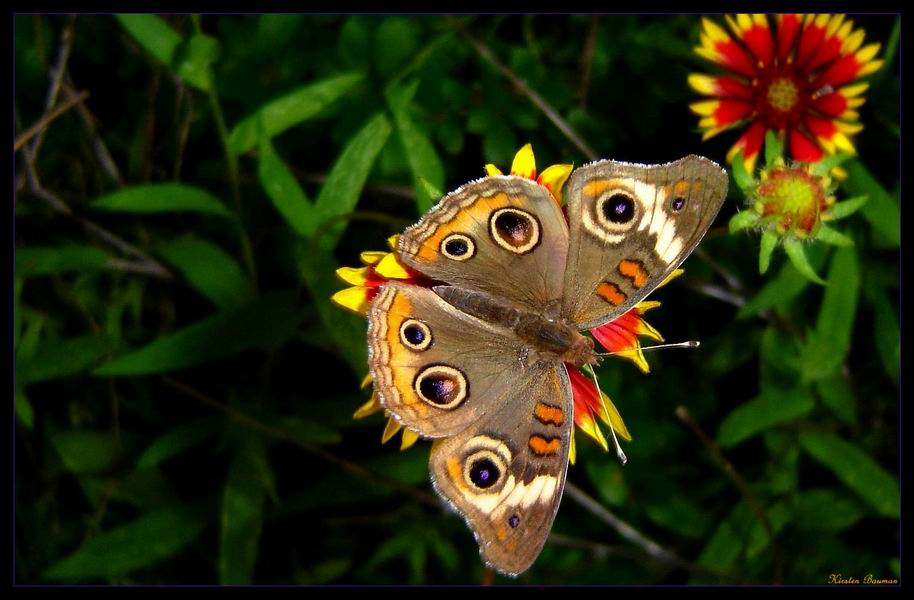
pixel 733 282
pixel 682 413
pixel 102 154
pixel 650 547
pixel 56 76
pixel 587 60
pixel 564 126
pixel 250 422
pixel 47 118
pixel 716 292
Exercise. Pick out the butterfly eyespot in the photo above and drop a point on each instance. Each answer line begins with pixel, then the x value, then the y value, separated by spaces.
pixel 484 469
pixel 514 521
pixel 458 246
pixel 678 203
pixel 441 386
pixel 415 335
pixel 514 230
pixel 618 208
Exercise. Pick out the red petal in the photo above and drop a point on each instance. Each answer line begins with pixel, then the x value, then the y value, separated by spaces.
pixel 735 58
pixel 618 335
pixel 810 39
pixel 753 139
pixel 731 111
pixel 802 148
pixel 758 38
pixel 730 87
pixel 833 104
pixel 840 72
pixel 583 391
pixel 788 27
pixel 829 50
pixel 823 128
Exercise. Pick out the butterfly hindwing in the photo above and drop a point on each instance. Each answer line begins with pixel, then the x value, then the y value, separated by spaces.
pixel 630 227
pixel 503 235
pixel 506 474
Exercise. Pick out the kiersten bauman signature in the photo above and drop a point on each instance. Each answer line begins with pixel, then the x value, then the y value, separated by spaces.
pixel 868 579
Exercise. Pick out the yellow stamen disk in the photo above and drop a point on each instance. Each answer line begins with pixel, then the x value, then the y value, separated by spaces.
pixel 524 164
pixel 854 90
pixel 390 430
pixel 714 31
pixel 871 67
pixel 636 356
pixel 673 275
pixel 572 450
pixel 409 438
pixel 393 240
pixel 371 257
pixel 554 178
pixel 354 299
pixel 647 330
pixel 368 379
pixel 353 275
pixel 369 408
pixel 703 84
pixel 390 268
pixel 492 170
pixel 868 52
pixel 612 417
pixel 589 426
pixel 704 108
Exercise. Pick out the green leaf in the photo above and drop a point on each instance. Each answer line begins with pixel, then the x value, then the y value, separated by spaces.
pixel 143 542
pixel 824 166
pixel 779 515
pixel 771 407
pixel 882 211
pixel 25 414
pixel 282 188
pixel 827 345
pixel 832 236
pixel 423 159
pixel 769 243
pixel 261 323
pixel 310 432
pixel 51 260
pixel 825 509
pixel 54 358
pixel 242 510
pixel 856 469
pixel 157 37
pixel 886 332
pixel 209 270
pixel 787 285
pixel 797 255
pixel 291 109
pixel 742 177
pixel 836 396
pixel 846 208
pixel 743 220
pixel 83 451
pixel 724 548
pixel 431 191
pixel 340 192
pixel 162 197
pixel 774 148
pixel 178 440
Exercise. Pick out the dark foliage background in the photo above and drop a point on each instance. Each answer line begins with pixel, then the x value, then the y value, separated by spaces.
pixel 184 388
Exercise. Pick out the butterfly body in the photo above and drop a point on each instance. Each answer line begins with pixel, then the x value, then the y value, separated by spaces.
pixel 480 364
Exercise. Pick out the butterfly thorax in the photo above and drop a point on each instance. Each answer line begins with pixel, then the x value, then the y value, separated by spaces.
pixel 551 336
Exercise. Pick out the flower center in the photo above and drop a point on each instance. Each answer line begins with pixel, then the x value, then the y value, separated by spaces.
pixel 793 194
pixel 782 95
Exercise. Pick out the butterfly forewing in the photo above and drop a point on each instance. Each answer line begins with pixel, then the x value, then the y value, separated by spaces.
pixel 630 226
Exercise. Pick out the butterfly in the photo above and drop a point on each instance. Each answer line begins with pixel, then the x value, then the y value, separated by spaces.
pixel 479 363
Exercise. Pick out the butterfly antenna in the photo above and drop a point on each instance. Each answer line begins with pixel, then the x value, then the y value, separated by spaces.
pixel 619 454
pixel 689 344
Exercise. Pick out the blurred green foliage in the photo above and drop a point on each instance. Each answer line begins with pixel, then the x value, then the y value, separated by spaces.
pixel 184 387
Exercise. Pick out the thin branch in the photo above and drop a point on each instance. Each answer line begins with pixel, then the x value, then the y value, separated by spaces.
pixel 587 53
pixel 682 413
pixel 564 126
pixel 250 422
pixel 47 118
pixel 56 75
pixel 715 291
pixel 650 547
pixel 102 154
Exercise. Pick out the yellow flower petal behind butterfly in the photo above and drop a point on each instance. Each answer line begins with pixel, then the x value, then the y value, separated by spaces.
pixel 524 164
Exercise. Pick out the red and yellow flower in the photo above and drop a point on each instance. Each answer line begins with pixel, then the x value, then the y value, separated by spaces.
pixel 799 79
pixel 619 337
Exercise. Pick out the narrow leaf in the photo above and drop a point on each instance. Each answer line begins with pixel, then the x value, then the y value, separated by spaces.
pixel 140 543
pixel 209 270
pixel 768 244
pixel 797 255
pixel 787 285
pixel 83 451
pixel 291 109
pixel 772 407
pixel 178 440
pixel 846 208
pixel 882 211
pixel 46 260
pixel 743 219
pixel 742 177
pixel 887 333
pixel 55 358
pixel 263 322
pixel 832 236
pixel 774 148
pixel 856 469
pixel 162 197
pixel 836 396
pixel 157 37
pixel 282 188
